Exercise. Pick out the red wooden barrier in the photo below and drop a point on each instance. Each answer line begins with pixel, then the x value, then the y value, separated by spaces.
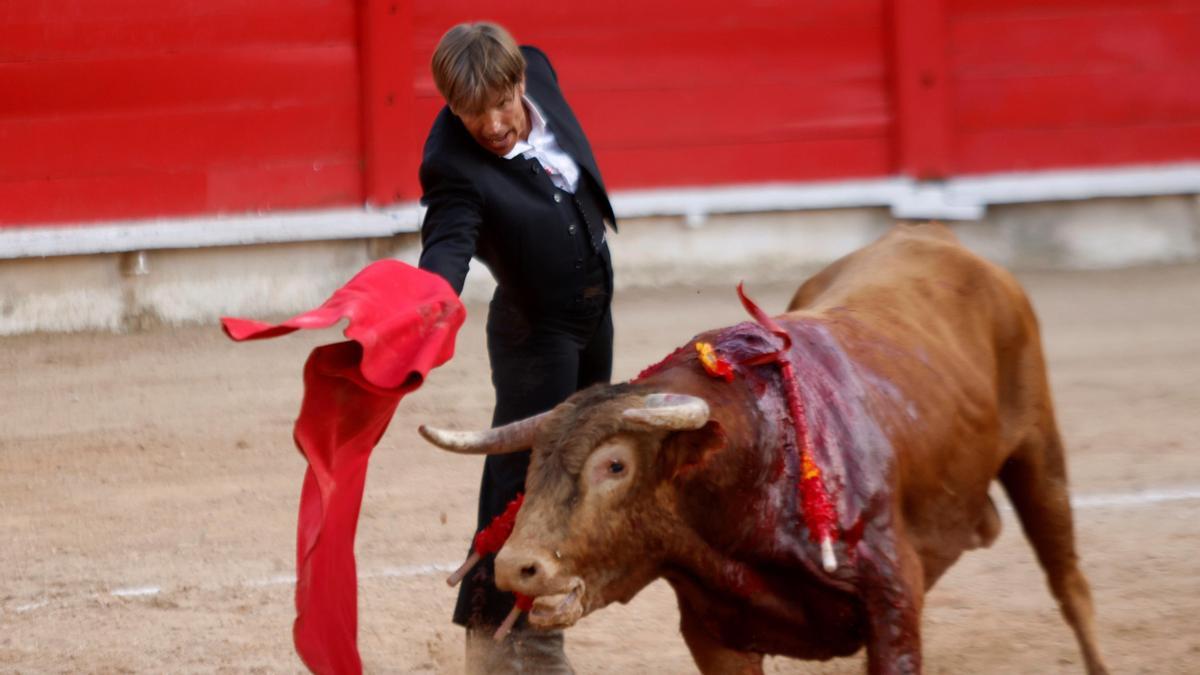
pixel 128 109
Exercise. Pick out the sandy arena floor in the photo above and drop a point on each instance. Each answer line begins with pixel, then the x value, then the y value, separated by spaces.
pixel 148 488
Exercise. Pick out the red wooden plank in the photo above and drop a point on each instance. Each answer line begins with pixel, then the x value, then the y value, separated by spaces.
pixel 524 16
pixel 1052 7
pixel 390 145
pixel 922 108
pixel 806 55
pixel 992 46
pixel 290 185
pixel 32 30
pixel 95 198
pixel 714 115
pixel 746 163
pixel 255 76
pixel 746 114
pixel 854 150
pixel 1061 101
pixel 68 11
pixel 146 194
pixel 676 43
pixel 693 41
pixel 1015 150
pixel 79 145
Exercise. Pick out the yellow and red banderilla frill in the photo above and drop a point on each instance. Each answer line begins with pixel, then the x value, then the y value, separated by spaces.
pixel 713 364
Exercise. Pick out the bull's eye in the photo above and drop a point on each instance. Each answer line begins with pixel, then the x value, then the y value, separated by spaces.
pixel 610 466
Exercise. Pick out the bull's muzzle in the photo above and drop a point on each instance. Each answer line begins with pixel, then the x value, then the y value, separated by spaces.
pixel 558 598
pixel 527 570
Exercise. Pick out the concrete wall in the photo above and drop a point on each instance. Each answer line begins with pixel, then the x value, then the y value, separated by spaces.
pixel 127 291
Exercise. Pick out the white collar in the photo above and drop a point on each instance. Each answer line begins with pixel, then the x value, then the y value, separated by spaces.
pixel 537 127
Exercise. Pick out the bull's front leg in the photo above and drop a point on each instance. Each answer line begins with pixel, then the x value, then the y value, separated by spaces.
pixel 712 657
pixel 893 589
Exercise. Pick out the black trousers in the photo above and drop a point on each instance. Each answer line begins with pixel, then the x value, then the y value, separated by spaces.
pixel 537 362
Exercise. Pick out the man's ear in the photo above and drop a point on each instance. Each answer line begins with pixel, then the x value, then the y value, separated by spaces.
pixel 685 452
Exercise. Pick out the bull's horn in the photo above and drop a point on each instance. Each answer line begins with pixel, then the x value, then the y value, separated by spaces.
pixel 673 412
pixel 501 440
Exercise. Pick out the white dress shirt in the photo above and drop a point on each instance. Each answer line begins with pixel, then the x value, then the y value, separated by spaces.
pixel 542 146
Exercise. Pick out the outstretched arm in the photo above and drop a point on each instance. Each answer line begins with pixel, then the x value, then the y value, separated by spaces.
pixel 454 213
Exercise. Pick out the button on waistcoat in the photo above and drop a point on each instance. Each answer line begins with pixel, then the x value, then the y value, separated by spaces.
pixel 586 229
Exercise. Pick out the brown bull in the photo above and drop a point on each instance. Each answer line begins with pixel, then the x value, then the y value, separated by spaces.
pixel 921 379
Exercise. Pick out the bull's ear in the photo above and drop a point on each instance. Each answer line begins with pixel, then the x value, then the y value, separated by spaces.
pixel 686 452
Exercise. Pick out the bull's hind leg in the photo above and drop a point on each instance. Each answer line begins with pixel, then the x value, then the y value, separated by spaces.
pixel 1035 479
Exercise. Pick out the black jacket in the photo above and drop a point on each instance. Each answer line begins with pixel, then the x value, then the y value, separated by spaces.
pixel 507 212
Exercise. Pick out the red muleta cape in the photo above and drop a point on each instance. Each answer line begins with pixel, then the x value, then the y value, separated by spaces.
pixel 402 325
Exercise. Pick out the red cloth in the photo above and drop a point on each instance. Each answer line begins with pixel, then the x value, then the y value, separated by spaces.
pixel 402 325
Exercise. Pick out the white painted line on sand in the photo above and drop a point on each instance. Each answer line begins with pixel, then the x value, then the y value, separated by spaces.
pixel 1138 498
pixel 20 609
pixel 1114 499
pixel 135 591
pixel 412 571
pixel 385 573
pixel 277 580
pixel 1096 501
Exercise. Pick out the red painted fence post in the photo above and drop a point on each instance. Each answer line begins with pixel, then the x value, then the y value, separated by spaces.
pixel 386 69
pixel 920 82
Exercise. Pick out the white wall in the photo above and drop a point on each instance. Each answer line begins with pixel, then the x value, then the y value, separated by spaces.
pixel 115 291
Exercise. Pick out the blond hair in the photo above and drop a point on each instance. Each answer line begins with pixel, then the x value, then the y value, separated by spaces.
pixel 474 64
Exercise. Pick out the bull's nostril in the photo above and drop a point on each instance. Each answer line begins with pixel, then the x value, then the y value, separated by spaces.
pixel 529 571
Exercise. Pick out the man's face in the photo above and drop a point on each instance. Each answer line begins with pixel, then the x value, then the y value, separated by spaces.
pixel 499 126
